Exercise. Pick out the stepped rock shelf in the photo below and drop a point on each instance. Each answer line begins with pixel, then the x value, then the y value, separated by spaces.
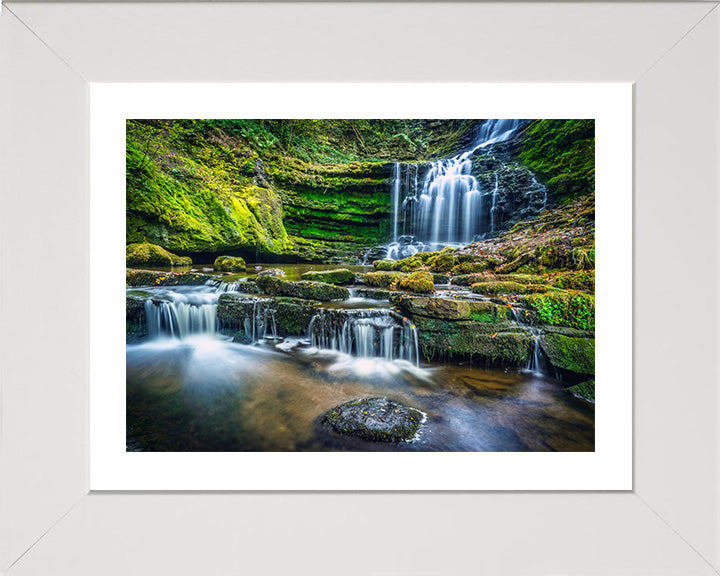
pixel 360 285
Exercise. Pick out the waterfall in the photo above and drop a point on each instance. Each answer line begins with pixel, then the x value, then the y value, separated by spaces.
pixel 535 362
pixel 179 319
pixel 449 207
pixel 366 334
pixel 256 321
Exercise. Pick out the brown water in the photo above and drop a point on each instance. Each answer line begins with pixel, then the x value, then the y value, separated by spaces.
pixel 208 394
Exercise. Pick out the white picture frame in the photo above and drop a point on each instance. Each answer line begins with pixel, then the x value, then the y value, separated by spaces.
pixel 668 523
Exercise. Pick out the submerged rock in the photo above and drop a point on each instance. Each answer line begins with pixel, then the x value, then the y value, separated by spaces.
pixel 376 419
pixel 229 264
pixel 276 272
pixel 303 289
pixel 339 276
pixel 147 254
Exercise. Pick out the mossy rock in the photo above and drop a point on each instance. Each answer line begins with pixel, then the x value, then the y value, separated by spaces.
pixel 443 262
pixel 564 308
pixel 452 309
pixel 584 390
pixel 147 254
pixel 470 279
pixel 420 282
pixel 339 276
pixel 573 358
pixel 440 278
pixel 469 268
pixel 409 264
pixel 584 280
pixel 153 278
pixel 293 315
pixel 530 279
pixel 302 289
pixel 382 279
pixel 505 288
pixel 384 265
pixel 229 264
pixel 481 342
pixel 376 420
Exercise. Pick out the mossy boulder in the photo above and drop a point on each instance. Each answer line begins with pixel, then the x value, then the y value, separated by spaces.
pixel 469 268
pixel 293 315
pixel 376 420
pixel 584 390
pixel 564 308
pixel 147 254
pixel 153 278
pixel 530 279
pixel 505 288
pixel 229 264
pixel 420 282
pixel 382 279
pixel 384 265
pixel 573 358
pixel 442 262
pixel 452 309
pixel 302 289
pixel 339 276
pixel 441 278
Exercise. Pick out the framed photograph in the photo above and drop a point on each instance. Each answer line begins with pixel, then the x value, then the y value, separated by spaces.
pixel 340 302
pixel 389 193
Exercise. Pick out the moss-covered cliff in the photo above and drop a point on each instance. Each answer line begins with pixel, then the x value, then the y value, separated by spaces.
pixel 319 190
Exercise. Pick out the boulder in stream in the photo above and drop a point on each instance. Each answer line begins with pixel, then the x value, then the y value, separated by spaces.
pixel 303 289
pixel 339 276
pixel 376 419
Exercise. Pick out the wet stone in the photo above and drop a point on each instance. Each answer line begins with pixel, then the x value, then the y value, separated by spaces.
pixel 376 419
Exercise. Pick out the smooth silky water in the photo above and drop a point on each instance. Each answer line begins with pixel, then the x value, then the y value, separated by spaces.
pixel 190 388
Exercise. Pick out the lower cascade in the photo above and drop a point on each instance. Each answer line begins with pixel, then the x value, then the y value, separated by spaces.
pixel 366 334
pixel 181 315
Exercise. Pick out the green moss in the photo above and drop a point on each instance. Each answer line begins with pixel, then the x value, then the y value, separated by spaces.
pixel 576 280
pixel 443 262
pixel 147 254
pixel 572 356
pixel 229 264
pixel 339 276
pixel 505 287
pixel 562 155
pixel 420 282
pixel 382 279
pixel 584 390
pixel 303 289
pixel 152 278
pixel 454 309
pixel 470 279
pixel 564 308
pixel 384 265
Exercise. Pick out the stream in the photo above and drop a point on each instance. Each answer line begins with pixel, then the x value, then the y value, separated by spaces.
pixel 191 388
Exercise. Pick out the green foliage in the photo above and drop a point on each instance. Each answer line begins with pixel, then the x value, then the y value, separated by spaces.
pixel 562 155
pixel 564 308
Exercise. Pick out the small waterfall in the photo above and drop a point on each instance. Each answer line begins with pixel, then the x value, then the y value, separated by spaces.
pixel 256 321
pixel 179 319
pixel 365 334
pixel 535 363
pixel 493 208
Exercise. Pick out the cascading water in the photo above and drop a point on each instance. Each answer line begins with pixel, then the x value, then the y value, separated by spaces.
pixel 365 334
pixel 449 208
pixel 178 314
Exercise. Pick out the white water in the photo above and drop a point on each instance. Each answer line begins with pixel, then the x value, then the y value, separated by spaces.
pixel 365 334
pixel 449 208
pixel 181 311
